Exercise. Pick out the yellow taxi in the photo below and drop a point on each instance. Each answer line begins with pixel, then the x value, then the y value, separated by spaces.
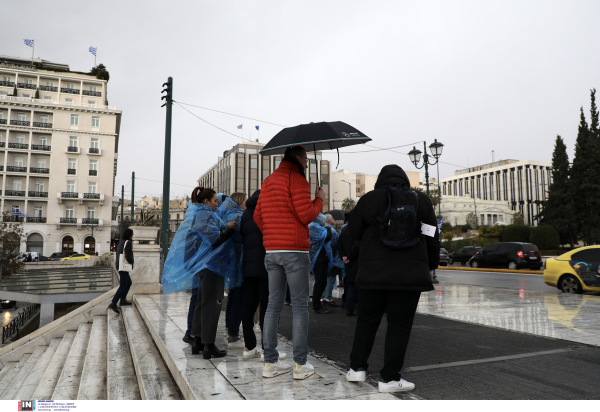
pixel 109 254
pixel 77 256
pixel 576 271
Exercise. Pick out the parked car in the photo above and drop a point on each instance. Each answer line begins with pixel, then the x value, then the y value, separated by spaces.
pixel 444 259
pixel 463 254
pixel 44 258
pixel 576 271
pixel 512 255
pixel 77 256
pixel 5 304
pixel 58 256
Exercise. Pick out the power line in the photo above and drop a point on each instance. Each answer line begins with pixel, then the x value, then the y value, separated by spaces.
pixel 384 148
pixel 158 181
pixel 230 114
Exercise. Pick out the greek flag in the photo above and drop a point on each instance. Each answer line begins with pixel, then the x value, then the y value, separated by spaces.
pixel 17 212
pixel 29 42
pixel 440 224
pixel 93 50
pixel 240 126
pixel 256 127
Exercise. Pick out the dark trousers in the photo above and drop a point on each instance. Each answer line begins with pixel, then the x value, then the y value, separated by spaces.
pixel 351 296
pixel 400 306
pixel 257 292
pixel 191 311
pixel 124 286
pixel 208 306
pixel 235 309
pixel 320 283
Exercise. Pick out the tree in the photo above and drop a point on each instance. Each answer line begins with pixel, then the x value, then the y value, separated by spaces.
pixel 592 185
pixel 37 94
pixel 490 234
pixel 11 234
pixel 472 220
pixel 348 204
pixel 545 237
pixel 518 219
pixel 515 233
pixel 100 72
pixel 446 227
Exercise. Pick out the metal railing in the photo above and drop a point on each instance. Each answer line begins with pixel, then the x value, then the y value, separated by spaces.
pixel 42 124
pixel 48 88
pixel 16 169
pixel 12 218
pixel 7 84
pixel 18 146
pixel 2 121
pixel 39 170
pixel 91 195
pixel 69 195
pixel 17 323
pixel 14 193
pixel 2 144
pixel 45 102
pixel 33 193
pixel 19 123
pixel 73 149
pixel 36 220
pixel 40 147
pixel 90 221
pixel 93 173
pixel 94 150
pixel 26 86
pixel 91 93
pixel 1 168
pixel 68 220
pixel 67 90
pixel 71 171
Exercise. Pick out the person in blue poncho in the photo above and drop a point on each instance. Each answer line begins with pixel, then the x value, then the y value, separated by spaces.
pixel 232 209
pixel 201 256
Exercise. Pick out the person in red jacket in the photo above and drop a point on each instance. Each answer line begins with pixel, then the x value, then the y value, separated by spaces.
pixel 283 212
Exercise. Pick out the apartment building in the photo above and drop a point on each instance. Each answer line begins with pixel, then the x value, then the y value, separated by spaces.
pixel 58 156
pixel 243 169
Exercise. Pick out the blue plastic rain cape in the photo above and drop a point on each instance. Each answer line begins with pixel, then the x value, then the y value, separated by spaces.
pixel 339 257
pixel 229 211
pixel 318 233
pixel 191 250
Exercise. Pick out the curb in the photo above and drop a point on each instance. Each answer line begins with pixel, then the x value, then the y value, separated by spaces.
pixel 530 272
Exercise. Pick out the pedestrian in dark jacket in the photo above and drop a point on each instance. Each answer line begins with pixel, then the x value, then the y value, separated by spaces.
pixel 389 280
pixel 348 250
pixel 125 247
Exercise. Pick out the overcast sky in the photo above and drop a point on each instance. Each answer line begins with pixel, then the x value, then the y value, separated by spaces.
pixel 506 76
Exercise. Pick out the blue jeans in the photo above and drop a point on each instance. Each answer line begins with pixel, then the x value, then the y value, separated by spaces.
pixel 191 311
pixel 124 286
pixel 328 293
pixel 293 269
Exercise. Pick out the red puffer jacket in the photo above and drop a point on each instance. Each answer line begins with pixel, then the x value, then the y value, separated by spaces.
pixel 285 209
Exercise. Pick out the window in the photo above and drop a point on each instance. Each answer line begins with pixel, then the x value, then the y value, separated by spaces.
pixel 92 103
pixel 28 81
pixel 27 95
pixel 1 115
pixel 92 187
pixel 43 140
pixel 22 117
pixel 91 212
pixel 69 100
pixel 95 143
pixel 73 141
pixel 95 122
pixel 74 120
pixel 39 185
pixel 6 78
pixel 72 163
pixel 50 84
pixel 492 248
pixel 69 213
pixel 17 184
pixel 16 207
pixel 3 93
pixel 47 97
pixel 18 161
pixel 587 255
pixel 44 118
pixel 20 138
pixel 93 89
pixel 70 186
pixel 93 165
pixel 38 211
pixel 70 86
pixel 41 163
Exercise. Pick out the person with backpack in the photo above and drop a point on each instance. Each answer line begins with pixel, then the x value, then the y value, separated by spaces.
pixel 395 264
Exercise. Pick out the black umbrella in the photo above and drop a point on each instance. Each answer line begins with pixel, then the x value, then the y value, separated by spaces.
pixel 315 136
pixel 337 214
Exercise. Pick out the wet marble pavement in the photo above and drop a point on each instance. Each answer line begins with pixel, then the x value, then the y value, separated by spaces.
pixel 232 377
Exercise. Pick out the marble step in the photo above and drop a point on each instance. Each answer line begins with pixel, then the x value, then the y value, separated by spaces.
pixel 121 380
pixel 9 377
pixel 70 377
pixel 93 376
pixel 154 379
pixel 48 381
pixel 35 376
pixel 17 383
pixel 7 368
pixel 196 377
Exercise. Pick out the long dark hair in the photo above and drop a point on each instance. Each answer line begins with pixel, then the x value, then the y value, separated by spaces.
pixel 200 194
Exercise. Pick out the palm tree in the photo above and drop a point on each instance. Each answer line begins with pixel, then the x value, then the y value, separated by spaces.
pixel 348 204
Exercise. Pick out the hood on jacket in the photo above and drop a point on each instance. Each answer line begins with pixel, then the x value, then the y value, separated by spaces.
pixel 295 161
pixel 221 198
pixel 392 175
pixel 253 200
pixel 320 219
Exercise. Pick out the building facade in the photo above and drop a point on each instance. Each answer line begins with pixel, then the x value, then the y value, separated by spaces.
pixel 243 169
pixel 508 186
pixel 58 156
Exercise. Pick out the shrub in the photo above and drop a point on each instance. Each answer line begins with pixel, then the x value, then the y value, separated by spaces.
pixel 545 237
pixel 516 233
pixel 104 261
pixel 490 234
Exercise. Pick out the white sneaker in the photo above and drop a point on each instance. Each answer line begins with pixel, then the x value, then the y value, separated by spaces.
pixel 271 370
pixel 251 354
pixel 303 371
pixel 282 356
pixel 356 376
pixel 396 386
pixel 238 344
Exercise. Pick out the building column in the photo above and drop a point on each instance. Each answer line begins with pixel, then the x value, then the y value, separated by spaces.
pixel 46 314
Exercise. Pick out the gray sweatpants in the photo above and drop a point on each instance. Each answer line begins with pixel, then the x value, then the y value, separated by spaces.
pixel 208 306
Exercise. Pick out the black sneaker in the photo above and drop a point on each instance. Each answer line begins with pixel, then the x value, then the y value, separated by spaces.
pixel 114 308
pixel 124 302
pixel 332 304
pixel 321 311
pixel 343 305
pixel 350 314
pixel 188 339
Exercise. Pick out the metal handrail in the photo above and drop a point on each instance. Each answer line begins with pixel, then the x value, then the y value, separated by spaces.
pixel 18 322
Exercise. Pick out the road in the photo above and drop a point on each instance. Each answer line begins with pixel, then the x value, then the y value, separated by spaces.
pixel 494 279
pixel 9 314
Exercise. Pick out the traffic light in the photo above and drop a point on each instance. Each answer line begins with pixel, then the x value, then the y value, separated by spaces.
pixel 169 90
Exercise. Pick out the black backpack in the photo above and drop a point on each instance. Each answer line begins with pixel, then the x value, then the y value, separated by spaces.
pixel 397 223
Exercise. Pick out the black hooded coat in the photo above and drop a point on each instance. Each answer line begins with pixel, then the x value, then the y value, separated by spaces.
pixel 384 268
pixel 253 261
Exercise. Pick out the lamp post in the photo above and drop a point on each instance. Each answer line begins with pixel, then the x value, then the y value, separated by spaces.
pixel 349 189
pixel 415 157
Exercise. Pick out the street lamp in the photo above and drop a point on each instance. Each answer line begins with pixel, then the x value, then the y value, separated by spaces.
pixel 415 157
pixel 88 228
pixel 349 189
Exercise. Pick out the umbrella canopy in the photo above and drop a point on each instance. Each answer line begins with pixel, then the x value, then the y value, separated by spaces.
pixel 315 136
pixel 337 214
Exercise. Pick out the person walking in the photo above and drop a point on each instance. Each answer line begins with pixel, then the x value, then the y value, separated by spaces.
pixel 348 250
pixel 282 214
pixel 334 271
pixel 395 264
pixel 125 247
pixel 321 257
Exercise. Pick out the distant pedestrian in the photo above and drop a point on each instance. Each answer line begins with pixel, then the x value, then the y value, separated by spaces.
pixel 349 251
pixel 283 213
pixel 395 265
pixel 334 271
pixel 125 247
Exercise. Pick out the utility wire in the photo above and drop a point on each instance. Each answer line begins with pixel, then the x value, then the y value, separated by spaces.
pixel 230 114
pixel 158 181
pixel 223 130
pixel 381 148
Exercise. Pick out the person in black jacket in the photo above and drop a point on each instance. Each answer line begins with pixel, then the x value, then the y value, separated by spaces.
pixel 389 280
pixel 348 250
pixel 125 246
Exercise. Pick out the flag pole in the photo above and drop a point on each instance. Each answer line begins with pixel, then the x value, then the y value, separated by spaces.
pixel 95 56
pixel 32 50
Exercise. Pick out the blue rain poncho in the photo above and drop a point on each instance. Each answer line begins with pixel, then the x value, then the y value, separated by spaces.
pixel 318 234
pixel 230 211
pixel 192 250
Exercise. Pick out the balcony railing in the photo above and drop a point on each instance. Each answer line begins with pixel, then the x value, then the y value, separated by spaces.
pixel 39 170
pixel 91 93
pixel 45 102
pixel 3 121
pixel 7 84
pixel 18 146
pixel 1 168
pixel 73 149
pixel 2 144
pixel 91 195
pixel 12 218
pixel 94 150
pixel 38 219
pixel 42 124
pixel 26 86
pixel 68 220
pixel 69 195
pixel 19 169
pixel 67 90
pixel 89 221
pixel 71 171
pixel 48 88
pixel 14 193
pixel 40 147
pixel 37 194
pixel 20 123
pixel 93 173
